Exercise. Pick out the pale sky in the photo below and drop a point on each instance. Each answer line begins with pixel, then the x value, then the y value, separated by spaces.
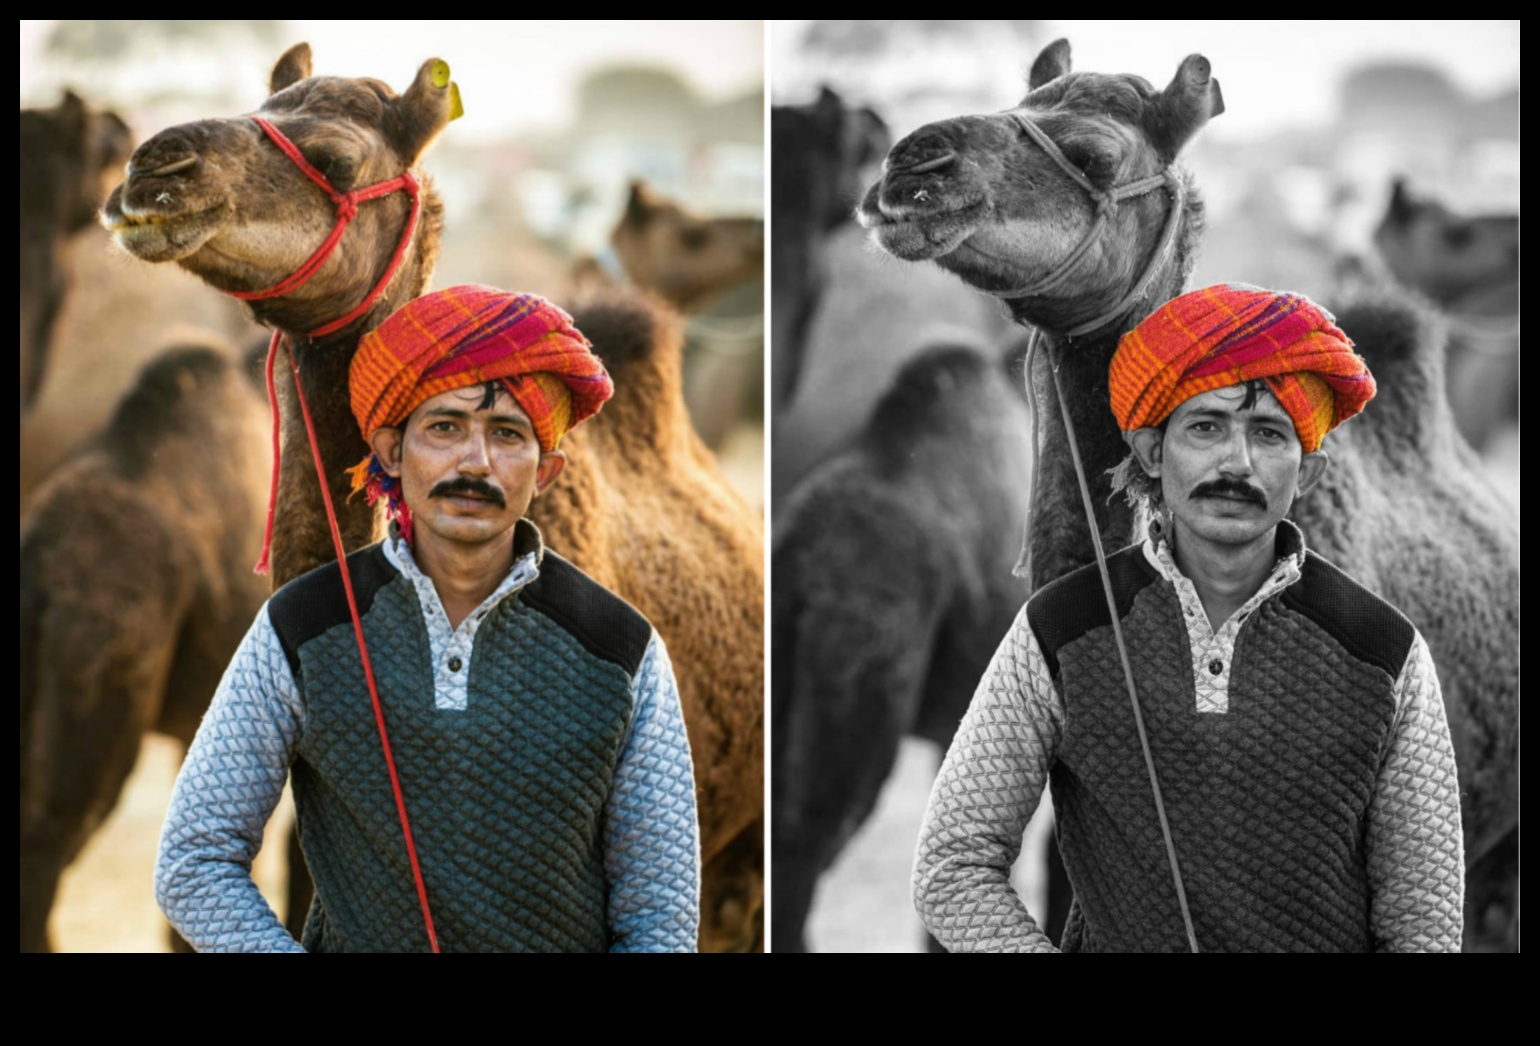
pixel 513 75
pixel 1279 69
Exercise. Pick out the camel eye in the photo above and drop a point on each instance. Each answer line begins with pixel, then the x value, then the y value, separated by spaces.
pixel 694 237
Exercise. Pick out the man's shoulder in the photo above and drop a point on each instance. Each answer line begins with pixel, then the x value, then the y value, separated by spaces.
pixel 1067 608
pixel 604 624
pixel 317 601
pixel 1367 626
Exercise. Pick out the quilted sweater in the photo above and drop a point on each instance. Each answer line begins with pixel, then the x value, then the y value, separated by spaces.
pixel 540 749
pixel 1311 792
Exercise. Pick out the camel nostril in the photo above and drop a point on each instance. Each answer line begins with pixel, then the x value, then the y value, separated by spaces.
pixel 935 163
pixel 173 167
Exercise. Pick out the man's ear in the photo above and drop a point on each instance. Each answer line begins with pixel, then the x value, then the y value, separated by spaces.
pixel 1311 468
pixel 1146 444
pixel 386 444
pixel 551 464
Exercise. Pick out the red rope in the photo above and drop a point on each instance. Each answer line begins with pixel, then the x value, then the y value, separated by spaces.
pixel 363 649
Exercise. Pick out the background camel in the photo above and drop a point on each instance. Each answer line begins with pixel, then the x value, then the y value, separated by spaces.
pixel 1404 507
pixel 218 199
pixel 817 152
pixel 711 270
pixel 67 153
pixel 135 590
pixel 892 588
pixel 1468 267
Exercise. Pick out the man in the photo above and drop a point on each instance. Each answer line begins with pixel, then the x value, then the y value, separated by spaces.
pixel 532 715
pixel 1295 719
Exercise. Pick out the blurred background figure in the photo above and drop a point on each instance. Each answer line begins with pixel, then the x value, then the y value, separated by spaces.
pixel 1348 152
pixel 598 130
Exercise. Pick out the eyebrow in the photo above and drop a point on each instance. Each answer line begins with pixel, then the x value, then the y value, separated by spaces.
pixel 1262 415
pixel 460 415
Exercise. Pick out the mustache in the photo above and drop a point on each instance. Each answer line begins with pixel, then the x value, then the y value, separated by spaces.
pixel 1229 488
pixel 467 485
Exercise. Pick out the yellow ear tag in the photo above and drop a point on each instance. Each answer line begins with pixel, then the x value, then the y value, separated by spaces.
pixel 456 110
pixel 440 73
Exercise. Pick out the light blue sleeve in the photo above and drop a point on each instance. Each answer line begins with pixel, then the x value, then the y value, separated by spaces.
pixel 651 832
pixel 226 791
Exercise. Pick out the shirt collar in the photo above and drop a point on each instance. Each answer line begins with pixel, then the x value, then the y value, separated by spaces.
pixel 528 551
pixel 1289 548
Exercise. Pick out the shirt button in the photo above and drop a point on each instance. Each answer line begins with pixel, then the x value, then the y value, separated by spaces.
pixel 1216 667
pixel 455 662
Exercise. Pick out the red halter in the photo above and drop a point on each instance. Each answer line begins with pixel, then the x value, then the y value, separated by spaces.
pixel 347 209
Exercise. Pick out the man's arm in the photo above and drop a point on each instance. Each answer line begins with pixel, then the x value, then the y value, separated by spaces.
pixel 1416 854
pixel 228 786
pixel 651 833
pixel 988 788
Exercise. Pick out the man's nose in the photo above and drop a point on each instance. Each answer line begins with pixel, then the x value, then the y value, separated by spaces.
pixel 477 460
pixel 1237 456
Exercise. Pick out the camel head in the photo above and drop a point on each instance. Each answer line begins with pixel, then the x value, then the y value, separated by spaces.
pixel 68 153
pixel 220 199
pixel 1442 254
pixel 682 256
pixel 981 197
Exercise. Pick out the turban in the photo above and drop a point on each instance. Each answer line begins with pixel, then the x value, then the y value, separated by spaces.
pixel 1229 334
pixel 465 336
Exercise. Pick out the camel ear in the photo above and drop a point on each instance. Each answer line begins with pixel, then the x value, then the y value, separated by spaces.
pixel 293 67
pixel 1188 102
pixel 1050 65
pixel 639 204
pixel 1401 205
pixel 73 115
pixel 873 137
pixel 426 109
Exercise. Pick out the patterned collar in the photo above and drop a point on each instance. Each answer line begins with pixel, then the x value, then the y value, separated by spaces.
pixel 528 551
pixel 1290 549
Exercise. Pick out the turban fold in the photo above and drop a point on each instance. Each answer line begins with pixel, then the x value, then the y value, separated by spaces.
pixel 465 336
pixel 1229 334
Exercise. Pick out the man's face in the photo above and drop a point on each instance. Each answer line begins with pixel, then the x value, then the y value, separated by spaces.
pixel 1230 471
pixel 468 468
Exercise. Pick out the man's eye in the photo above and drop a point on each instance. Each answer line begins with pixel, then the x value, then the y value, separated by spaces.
pixel 1204 426
pixel 441 426
pixel 510 433
pixel 1270 434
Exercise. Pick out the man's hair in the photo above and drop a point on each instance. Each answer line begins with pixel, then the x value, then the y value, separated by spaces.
pixel 1143 490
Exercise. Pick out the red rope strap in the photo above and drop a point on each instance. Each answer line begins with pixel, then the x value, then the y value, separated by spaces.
pixel 363 649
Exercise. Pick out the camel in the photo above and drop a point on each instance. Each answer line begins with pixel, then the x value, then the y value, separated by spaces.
pixel 1469 268
pixel 1404 508
pixel 892 586
pixel 217 198
pixel 687 260
pixel 136 588
pixel 817 152
pixel 67 152
pixel 711 270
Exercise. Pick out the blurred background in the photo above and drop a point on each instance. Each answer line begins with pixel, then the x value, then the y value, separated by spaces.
pixel 1348 151
pixel 589 151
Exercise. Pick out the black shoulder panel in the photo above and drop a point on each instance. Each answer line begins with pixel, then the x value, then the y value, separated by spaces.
pixel 1064 610
pixel 606 625
pixel 315 602
pixel 1367 627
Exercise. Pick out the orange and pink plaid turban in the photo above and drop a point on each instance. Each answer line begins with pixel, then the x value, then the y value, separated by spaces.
pixel 1229 334
pixel 465 336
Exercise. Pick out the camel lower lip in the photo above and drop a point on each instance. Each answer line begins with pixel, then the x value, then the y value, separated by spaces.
pixel 919 237
pixel 163 237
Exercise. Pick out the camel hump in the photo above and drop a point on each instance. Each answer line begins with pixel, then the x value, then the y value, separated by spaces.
pixel 316 602
pixel 606 625
pixel 1370 629
pixel 1067 608
pixel 178 392
pixel 623 324
pixel 940 388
